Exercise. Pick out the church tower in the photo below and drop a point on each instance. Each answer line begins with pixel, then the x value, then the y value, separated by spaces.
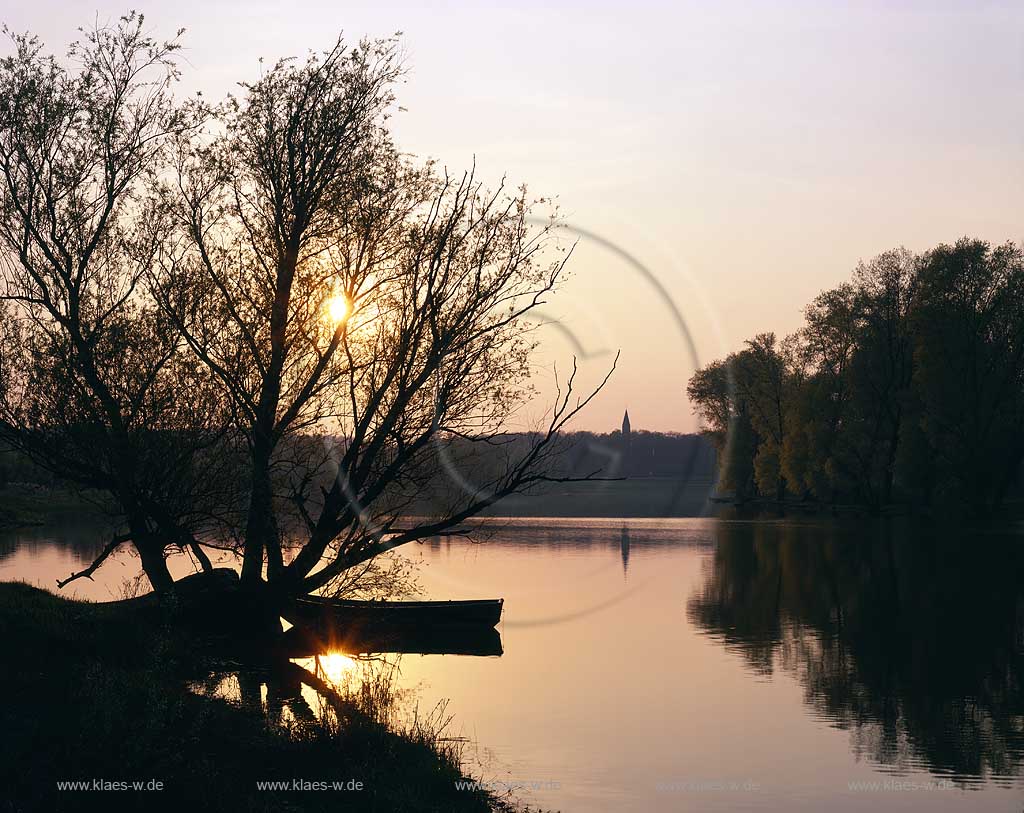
pixel 626 444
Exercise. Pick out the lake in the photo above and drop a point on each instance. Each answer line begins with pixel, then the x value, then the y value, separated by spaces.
pixel 706 664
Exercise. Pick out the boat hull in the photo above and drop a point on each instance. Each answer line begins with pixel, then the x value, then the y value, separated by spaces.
pixel 320 611
pixel 478 640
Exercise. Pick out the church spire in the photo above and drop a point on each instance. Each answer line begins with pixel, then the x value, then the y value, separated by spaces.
pixel 626 443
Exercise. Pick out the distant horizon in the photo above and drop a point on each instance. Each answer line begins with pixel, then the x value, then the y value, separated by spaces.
pixel 746 156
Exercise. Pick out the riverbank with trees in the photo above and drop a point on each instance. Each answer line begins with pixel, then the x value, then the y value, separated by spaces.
pixel 905 386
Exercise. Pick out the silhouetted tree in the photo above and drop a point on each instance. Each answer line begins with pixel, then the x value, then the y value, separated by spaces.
pixel 970 367
pixel 725 415
pixel 763 375
pixel 279 292
pixel 908 379
pixel 880 371
pixel 93 377
pixel 743 403
pixel 334 289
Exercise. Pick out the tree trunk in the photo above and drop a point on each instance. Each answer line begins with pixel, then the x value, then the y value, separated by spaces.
pixel 154 564
pixel 259 615
pixel 151 547
pixel 259 519
pixel 220 607
pixel 890 460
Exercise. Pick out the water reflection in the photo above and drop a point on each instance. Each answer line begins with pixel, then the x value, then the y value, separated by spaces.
pixel 624 549
pixel 913 642
pixel 317 676
pixel 324 688
pixel 616 678
pixel 81 541
pixel 475 640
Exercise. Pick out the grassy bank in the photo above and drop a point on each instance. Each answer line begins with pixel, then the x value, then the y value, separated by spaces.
pixel 89 694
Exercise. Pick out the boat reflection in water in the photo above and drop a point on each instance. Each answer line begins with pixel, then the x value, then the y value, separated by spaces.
pixel 417 639
pixel 324 665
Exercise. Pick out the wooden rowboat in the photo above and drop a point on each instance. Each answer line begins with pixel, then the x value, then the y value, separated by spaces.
pixel 453 639
pixel 333 612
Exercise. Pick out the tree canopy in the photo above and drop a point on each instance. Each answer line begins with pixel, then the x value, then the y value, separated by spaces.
pixel 906 383
pixel 258 325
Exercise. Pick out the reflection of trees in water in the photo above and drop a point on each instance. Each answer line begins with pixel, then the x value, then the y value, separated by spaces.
pixel 9 544
pixel 914 645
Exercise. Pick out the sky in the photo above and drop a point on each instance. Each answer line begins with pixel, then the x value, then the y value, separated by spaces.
pixel 719 163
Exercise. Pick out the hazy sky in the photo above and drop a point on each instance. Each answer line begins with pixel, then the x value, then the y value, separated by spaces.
pixel 747 155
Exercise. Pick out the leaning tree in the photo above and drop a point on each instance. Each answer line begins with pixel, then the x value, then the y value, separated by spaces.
pixel 363 315
pixel 259 325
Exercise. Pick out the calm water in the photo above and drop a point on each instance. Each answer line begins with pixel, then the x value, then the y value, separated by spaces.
pixel 699 664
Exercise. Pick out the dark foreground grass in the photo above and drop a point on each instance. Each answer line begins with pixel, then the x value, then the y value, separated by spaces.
pixel 87 694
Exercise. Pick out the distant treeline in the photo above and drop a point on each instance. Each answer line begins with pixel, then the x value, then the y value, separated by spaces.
pixel 15 467
pixel 648 454
pixel 906 384
pixel 578 454
pixel 650 474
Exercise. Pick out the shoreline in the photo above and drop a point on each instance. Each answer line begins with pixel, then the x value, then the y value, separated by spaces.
pixel 104 695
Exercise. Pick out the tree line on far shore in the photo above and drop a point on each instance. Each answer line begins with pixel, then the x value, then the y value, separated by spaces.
pixel 650 454
pixel 906 384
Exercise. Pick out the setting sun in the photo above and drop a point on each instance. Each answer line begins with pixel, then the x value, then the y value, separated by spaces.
pixel 338 308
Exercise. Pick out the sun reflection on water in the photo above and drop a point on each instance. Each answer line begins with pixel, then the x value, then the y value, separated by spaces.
pixel 334 667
